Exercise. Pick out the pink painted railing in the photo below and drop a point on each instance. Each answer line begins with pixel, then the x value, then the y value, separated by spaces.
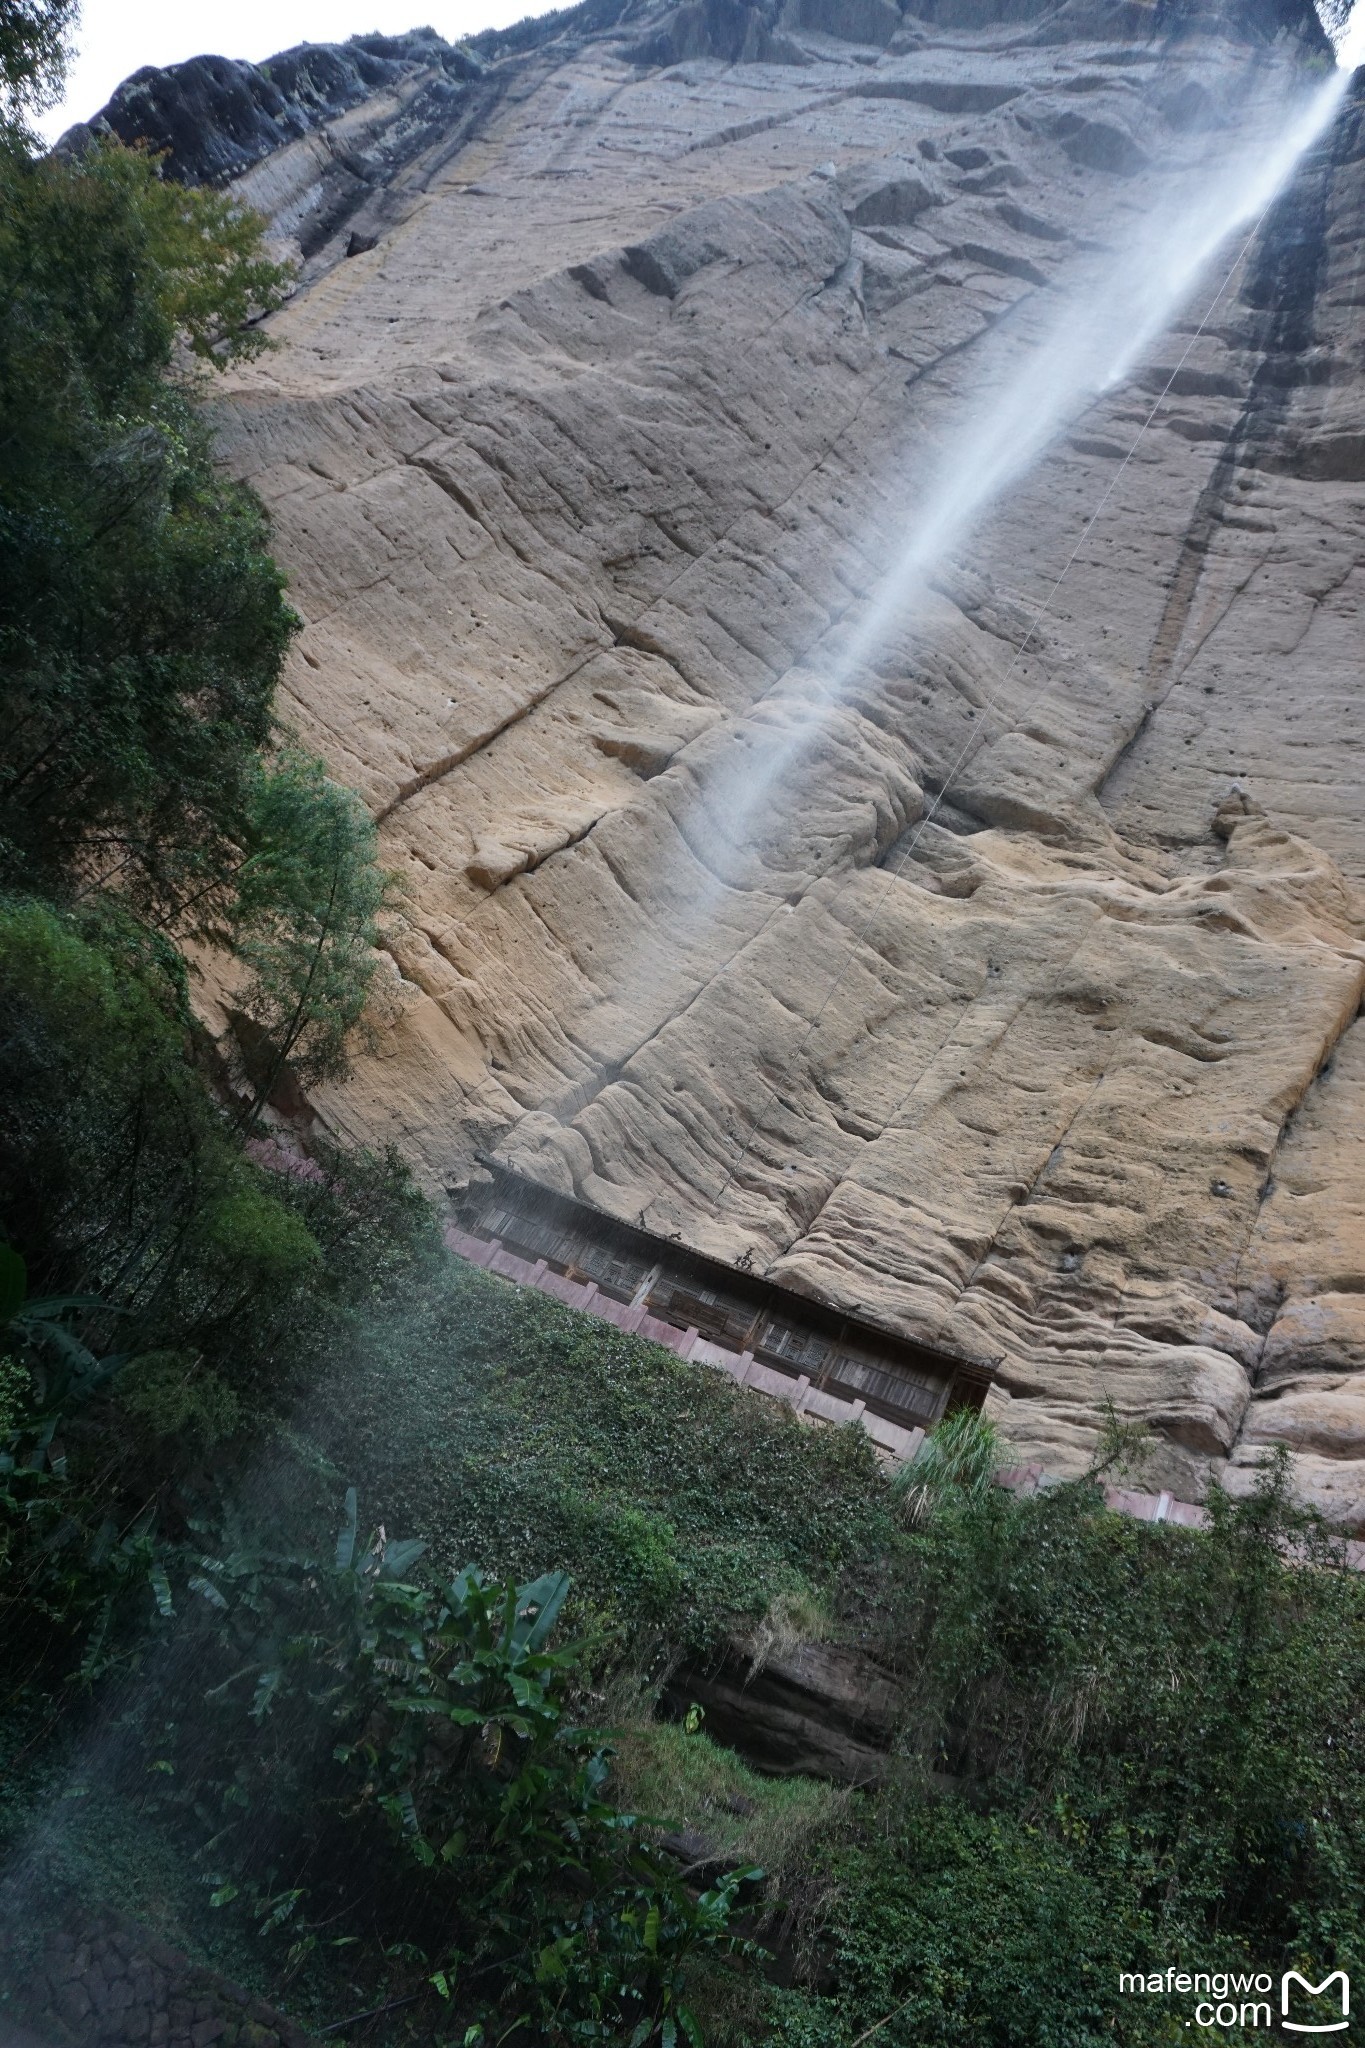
pixel 742 1366
pixel 805 1400
pixel 1139 1507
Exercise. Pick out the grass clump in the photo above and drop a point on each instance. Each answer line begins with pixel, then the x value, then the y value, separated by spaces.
pixel 955 1467
pixel 708 1792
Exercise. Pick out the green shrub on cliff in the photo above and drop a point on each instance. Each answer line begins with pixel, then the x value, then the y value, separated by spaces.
pixel 121 1179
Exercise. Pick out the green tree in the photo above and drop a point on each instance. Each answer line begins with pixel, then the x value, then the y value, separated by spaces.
pixel 33 50
pixel 142 620
pixel 309 898
pixel 121 1180
pixel 118 1179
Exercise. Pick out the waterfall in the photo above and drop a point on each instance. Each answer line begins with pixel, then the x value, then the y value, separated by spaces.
pixel 1104 315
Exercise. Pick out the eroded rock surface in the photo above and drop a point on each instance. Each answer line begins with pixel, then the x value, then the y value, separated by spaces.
pixel 333 126
pixel 816 1709
pixel 1021 1012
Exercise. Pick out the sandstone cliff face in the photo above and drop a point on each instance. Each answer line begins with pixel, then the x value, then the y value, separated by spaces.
pixel 586 474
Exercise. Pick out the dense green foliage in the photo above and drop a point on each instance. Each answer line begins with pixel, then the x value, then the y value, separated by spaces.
pixel 1156 1740
pixel 526 1432
pixel 305 921
pixel 147 796
pixel 124 1181
pixel 142 621
pixel 185 1286
pixel 1186 1702
pixel 33 35
pixel 356 1718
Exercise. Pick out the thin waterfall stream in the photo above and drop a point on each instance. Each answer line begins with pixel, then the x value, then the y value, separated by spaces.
pixel 1062 351
pixel 1104 317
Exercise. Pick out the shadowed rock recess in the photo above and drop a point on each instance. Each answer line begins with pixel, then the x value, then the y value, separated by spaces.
pixel 585 463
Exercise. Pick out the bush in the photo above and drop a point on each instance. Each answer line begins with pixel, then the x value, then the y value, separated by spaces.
pixel 145 1244
pixel 525 1432
pixel 1126 1747
pixel 332 1725
pixel 957 1928
pixel 1187 1698
pixel 176 1395
pixel 120 1179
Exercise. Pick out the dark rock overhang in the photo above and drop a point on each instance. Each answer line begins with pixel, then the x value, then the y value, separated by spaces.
pixel 892 1374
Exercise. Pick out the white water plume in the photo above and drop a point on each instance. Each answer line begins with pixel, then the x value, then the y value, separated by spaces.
pixel 1350 44
pixel 1096 339
pixel 1106 314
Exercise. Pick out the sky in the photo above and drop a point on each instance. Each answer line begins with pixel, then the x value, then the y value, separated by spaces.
pixel 1351 48
pixel 116 37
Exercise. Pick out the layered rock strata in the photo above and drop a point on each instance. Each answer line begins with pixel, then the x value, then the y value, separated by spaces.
pixel 323 136
pixel 1008 995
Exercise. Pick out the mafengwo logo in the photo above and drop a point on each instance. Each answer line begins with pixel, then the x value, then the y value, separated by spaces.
pixel 1224 2000
pixel 1292 1985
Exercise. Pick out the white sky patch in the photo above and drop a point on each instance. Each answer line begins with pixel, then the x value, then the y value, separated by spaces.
pixel 1351 48
pixel 116 37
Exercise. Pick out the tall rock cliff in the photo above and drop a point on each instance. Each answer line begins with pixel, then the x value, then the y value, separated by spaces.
pixel 1008 994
